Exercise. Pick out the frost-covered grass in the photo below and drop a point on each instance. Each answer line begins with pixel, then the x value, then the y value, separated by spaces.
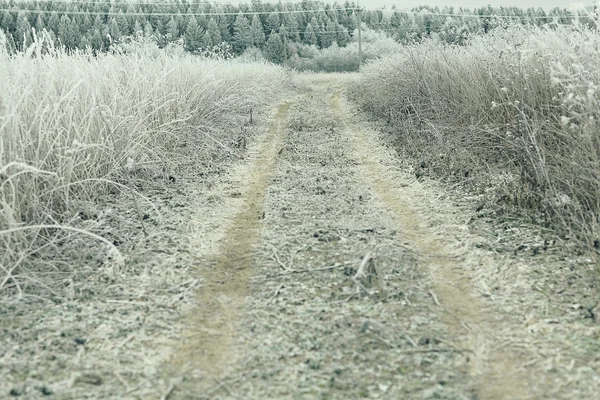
pixel 513 114
pixel 75 127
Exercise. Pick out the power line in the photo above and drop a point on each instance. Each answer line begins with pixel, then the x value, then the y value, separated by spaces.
pixel 146 3
pixel 159 14
pixel 434 14
pixel 196 14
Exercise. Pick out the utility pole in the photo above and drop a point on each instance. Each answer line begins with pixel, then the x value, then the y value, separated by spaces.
pixel 360 56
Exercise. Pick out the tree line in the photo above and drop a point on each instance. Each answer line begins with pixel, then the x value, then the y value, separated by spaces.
pixel 270 27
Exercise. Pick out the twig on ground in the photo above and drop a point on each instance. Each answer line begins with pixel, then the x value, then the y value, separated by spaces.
pixel 220 384
pixel 362 287
pixel 415 351
pixel 380 283
pixel 123 381
pixel 361 269
pixel 276 293
pixel 435 298
pixel 276 257
pixel 225 386
pixel 167 394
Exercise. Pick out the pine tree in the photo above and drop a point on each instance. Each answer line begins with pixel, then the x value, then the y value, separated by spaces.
pixel 193 35
pixel 317 29
pixel 123 22
pixel 172 29
pixel 202 22
pixel 113 30
pixel 207 42
pixel 310 38
pixel 22 34
pixel 293 27
pixel 343 37
pixel 242 36
pixel 148 29
pixel 329 35
pixel 68 33
pixel 86 23
pixel 160 28
pixel 273 22
pixel 84 43
pixel 8 22
pixel 182 24
pixel 96 41
pixel 257 32
pixel 98 24
pixel 54 22
pixel 274 50
pixel 214 32
pixel 137 28
pixel 39 24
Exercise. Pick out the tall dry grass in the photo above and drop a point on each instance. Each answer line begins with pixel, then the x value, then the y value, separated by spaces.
pixel 513 114
pixel 73 127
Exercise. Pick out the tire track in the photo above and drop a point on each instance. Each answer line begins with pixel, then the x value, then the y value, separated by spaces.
pixel 495 369
pixel 210 347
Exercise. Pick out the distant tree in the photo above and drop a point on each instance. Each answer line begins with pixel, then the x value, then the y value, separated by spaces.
pixel 160 28
pixel 113 30
pixel 148 29
pixel 293 27
pixel 214 32
pixel 98 23
pixel 96 40
pixel 8 22
pixel 275 50
pixel 310 38
pixel 182 23
pixel 283 33
pixel 202 22
pixel 22 34
pixel 193 36
pixel 242 35
pixel 123 22
pixel 273 22
pixel 173 29
pixel 85 24
pixel 84 43
pixel 317 29
pixel 68 33
pixel 343 37
pixel 53 22
pixel 257 32
pixel 137 28
pixel 329 35
pixel 40 25
pixel 207 42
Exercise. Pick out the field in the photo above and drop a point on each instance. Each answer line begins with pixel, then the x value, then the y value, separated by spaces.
pixel 176 226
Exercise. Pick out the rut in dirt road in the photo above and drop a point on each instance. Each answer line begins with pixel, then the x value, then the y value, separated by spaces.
pixel 496 369
pixel 210 346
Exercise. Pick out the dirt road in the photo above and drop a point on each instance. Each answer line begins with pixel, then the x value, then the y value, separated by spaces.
pixel 339 276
